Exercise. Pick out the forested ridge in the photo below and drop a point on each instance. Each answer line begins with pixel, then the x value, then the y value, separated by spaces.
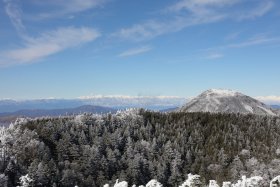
pixel 139 145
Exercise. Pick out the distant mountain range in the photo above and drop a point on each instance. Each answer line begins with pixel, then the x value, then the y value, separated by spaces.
pixel 227 101
pixel 275 106
pixel 59 112
pixel 117 102
pixel 11 109
pixel 213 100
pixel 7 117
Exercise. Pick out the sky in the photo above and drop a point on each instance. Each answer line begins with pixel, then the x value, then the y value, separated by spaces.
pixel 74 48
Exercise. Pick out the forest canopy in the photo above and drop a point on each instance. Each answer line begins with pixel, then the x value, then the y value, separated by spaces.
pixel 137 146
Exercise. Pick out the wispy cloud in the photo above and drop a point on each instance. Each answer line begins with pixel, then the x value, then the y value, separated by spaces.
pixel 48 43
pixel 217 52
pixel 14 12
pixel 176 20
pixel 233 35
pixel 135 51
pixel 186 13
pixel 32 48
pixel 57 8
pixel 253 41
pixel 258 11
pixel 200 6
pixel 66 7
pixel 208 7
pixel 214 56
pixel 152 28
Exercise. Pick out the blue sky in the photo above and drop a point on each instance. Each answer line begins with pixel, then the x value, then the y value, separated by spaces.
pixel 73 48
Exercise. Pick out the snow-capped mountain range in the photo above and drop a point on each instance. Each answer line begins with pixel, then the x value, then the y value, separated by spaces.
pixel 226 101
pixel 161 103
pixel 113 101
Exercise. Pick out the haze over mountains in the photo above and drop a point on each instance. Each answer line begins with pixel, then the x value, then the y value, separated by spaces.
pixel 11 109
pixel 117 102
pixel 7 117
pixel 226 101
pixel 114 101
pixel 60 112
pixel 213 100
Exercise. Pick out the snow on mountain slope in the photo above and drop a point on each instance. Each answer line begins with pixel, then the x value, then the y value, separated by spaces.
pixel 226 101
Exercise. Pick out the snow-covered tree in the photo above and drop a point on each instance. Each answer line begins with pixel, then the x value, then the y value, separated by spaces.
pixel 121 184
pixel 249 182
pixel 275 182
pixel 138 145
pixel 25 181
pixel 226 184
pixel 192 181
pixel 153 183
pixel 213 183
pixel 236 168
pixel 255 181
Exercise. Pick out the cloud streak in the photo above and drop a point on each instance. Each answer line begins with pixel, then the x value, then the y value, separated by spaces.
pixel 214 56
pixel 186 13
pixel 33 49
pixel 14 13
pixel 66 7
pixel 259 11
pixel 254 41
pixel 48 43
pixel 200 6
pixel 154 28
pixel 135 51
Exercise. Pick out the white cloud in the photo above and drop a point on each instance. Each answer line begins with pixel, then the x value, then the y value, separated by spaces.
pixel 129 97
pixel 186 13
pixel 269 99
pixel 175 21
pixel 48 43
pixel 51 42
pixel 135 51
pixel 14 13
pixel 201 6
pixel 66 7
pixel 134 101
pixel 153 28
pixel 56 8
pixel 233 35
pixel 215 56
pixel 257 40
pixel 259 11
pixel 206 7
pixel 254 41
pixel 78 5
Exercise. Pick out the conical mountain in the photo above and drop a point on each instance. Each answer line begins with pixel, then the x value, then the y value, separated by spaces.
pixel 226 101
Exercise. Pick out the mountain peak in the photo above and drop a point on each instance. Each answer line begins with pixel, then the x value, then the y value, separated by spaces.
pixel 226 101
pixel 221 92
